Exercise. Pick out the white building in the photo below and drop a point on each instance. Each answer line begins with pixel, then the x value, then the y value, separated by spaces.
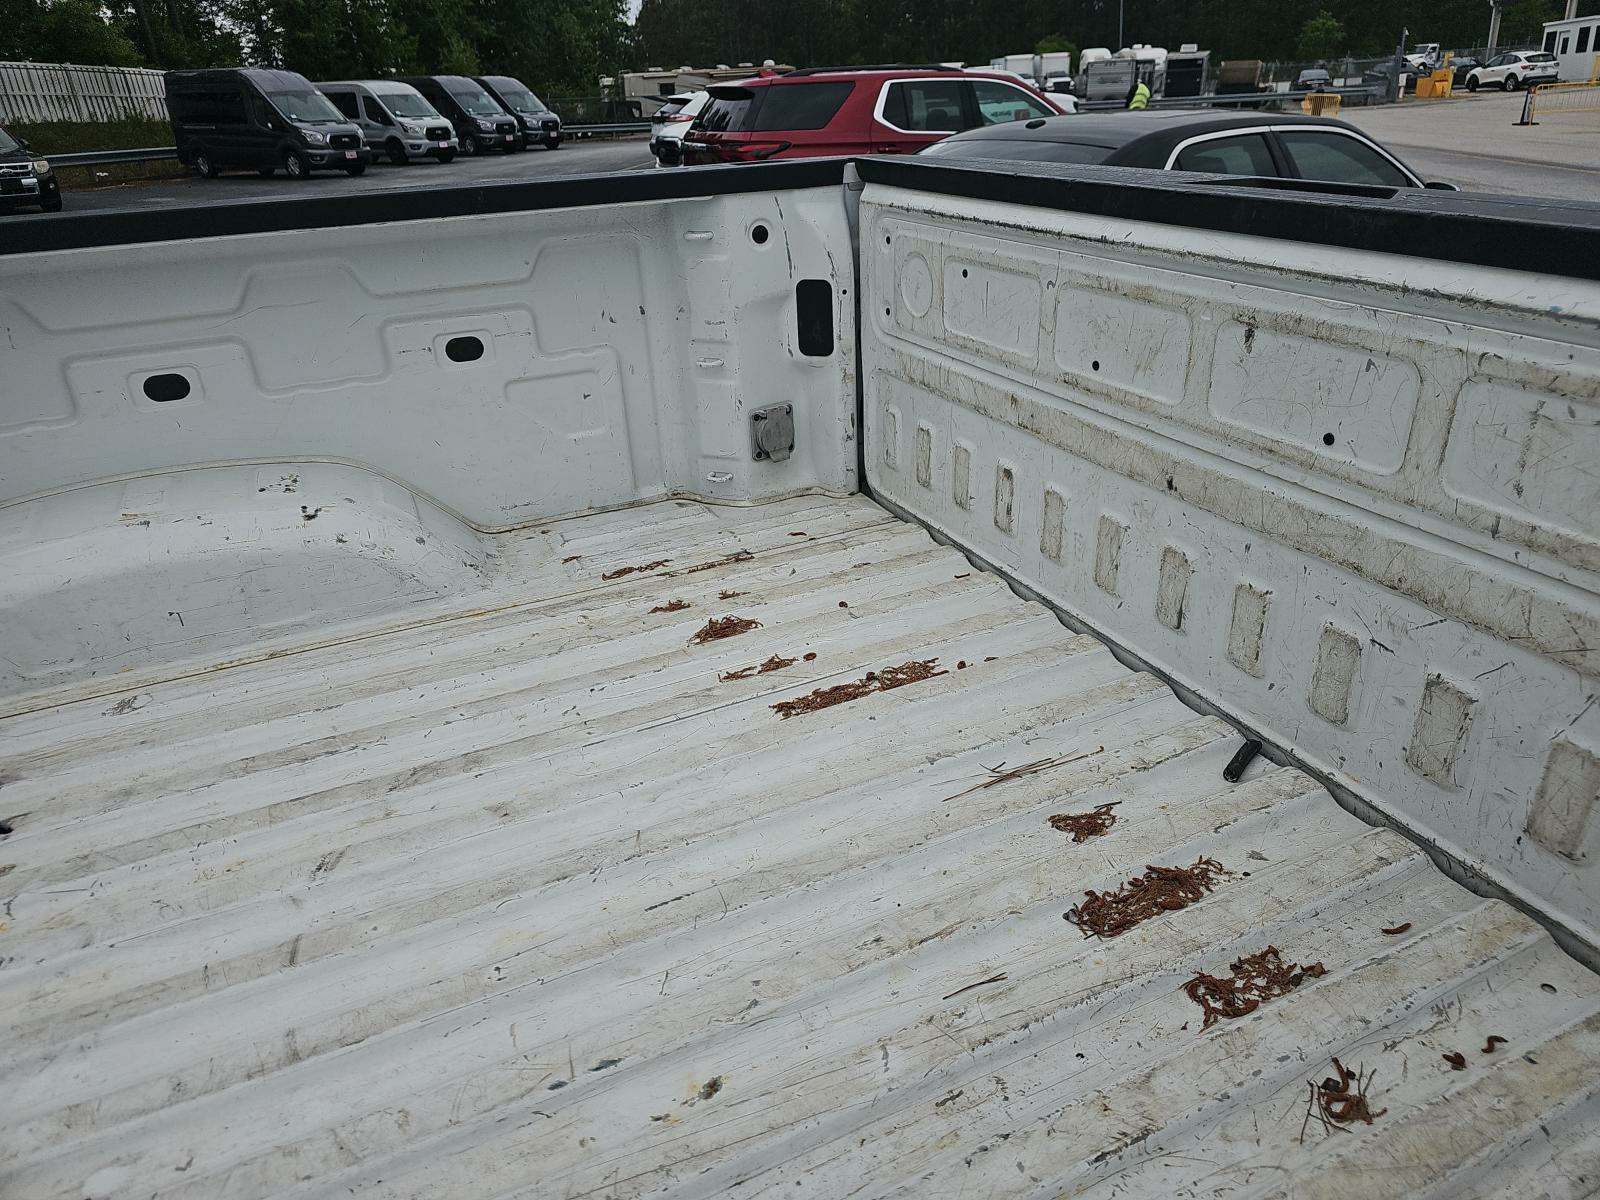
pixel 1576 44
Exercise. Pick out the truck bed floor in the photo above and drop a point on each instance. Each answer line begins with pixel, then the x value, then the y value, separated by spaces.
pixel 550 899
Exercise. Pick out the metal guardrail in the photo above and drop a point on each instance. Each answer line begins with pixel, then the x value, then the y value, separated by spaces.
pixel 100 158
pixel 618 127
pixel 1368 92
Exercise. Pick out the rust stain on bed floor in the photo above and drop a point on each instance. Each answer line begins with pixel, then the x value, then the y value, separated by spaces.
pixel 1085 825
pixel 649 566
pixel 1254 979
pixel 886 680
pixel 671 606
pixel 776 663
pixel 1159 890
pixel 1342 1100
pixel 738 556
pixel 718 628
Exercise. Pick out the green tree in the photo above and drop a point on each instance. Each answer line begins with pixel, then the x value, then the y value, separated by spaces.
pixel 63 31
pixel 1321 37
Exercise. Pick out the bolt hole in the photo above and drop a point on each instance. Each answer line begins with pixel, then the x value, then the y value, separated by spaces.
pixel 5 829
pixel 1095 365
pixel 464 349
pixel 963 272
pixel 886 312
pixel 886 239
pixel 1327 439
pixel 1548 987
pixel 163 389
pixel 760 234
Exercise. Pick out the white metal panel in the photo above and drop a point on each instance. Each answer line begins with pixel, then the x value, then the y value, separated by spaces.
pixel 1339 495
pixel 524 899
pixel 622 349
pixel 428 381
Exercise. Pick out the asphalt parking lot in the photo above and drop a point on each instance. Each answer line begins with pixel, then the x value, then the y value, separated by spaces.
pixel 1472 141
pixel 586 157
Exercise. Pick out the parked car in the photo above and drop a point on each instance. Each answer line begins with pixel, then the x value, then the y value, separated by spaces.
pixel 1273 146
pixel 1382 74
pixel 251 117
pixel 1514 69
pixel 670 122
pixel 1311 79
pixel 394 118
pixel 539 126
pixel 480 123
pixel 1460 68
pixel 24 179
pixel 853 110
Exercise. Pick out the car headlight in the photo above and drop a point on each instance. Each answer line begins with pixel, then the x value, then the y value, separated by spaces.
pixel 413 130
pixel 41 166
pixel 312 136
pixel 485 124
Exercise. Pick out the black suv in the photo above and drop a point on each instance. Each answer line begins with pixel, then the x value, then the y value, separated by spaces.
pixel 24 179
pixel 480 122
pixel 539 125
pixel 262 119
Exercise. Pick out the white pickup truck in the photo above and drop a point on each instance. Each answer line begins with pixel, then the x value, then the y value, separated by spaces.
pixel 743 681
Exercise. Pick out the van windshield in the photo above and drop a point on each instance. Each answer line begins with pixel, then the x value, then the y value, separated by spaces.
pixel 306 106
pixel 407 104
pixel 476 101
pixel 7 143
pixel 521 99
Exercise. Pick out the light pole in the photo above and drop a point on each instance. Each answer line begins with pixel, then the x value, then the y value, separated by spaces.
pixel 1395 91
pixel 1494 28
pixel 1119 24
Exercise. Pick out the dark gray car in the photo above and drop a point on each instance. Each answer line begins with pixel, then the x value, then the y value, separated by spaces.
pixel 1260 145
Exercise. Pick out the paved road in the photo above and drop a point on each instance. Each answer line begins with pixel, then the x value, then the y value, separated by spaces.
pixel 1474 142
pixel 574 158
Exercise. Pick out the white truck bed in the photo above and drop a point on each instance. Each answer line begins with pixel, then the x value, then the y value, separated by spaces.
pixel 526 901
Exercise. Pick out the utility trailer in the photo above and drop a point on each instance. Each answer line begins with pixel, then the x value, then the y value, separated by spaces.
pixel 742 682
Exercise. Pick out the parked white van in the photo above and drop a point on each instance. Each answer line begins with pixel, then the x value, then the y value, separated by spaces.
pixel 395 119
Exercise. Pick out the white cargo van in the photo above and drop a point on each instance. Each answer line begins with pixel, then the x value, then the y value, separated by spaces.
pixel 395 119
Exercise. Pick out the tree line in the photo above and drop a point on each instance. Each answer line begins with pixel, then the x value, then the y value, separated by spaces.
pixel 562 47
pixel 556 46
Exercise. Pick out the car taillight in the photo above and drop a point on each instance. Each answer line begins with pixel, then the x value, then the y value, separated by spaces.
pixel 673 120
pixel 756 151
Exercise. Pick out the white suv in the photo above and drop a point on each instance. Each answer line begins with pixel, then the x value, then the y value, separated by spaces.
pixel 1517 68
pixel 670 122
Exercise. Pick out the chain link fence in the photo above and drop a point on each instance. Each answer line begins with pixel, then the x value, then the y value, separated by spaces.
pixel 594 110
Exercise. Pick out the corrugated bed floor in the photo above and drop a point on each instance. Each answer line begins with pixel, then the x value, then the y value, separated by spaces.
pixel 537 902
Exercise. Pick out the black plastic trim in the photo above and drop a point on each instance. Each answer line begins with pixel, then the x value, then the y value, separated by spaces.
pixel 813 314
pixel 74 231
pixel 1518 233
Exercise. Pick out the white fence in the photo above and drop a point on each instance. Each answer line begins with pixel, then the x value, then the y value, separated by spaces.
pixel 63 92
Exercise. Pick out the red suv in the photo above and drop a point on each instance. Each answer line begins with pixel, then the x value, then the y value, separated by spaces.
pixel 853 110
